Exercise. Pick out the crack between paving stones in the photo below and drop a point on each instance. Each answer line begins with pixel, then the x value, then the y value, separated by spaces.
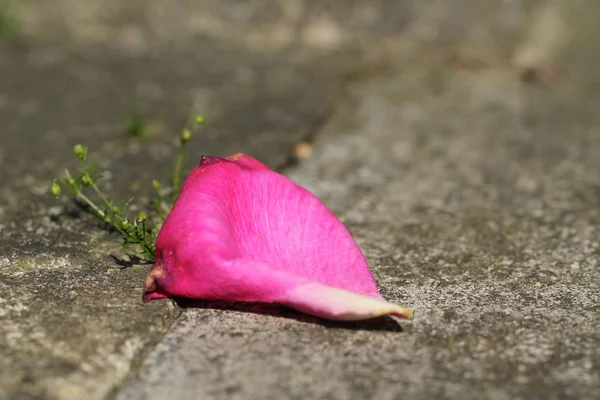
pixel 317 126
pixel 138 359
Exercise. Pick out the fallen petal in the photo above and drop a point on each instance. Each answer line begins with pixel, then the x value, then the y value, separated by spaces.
pixel 242 232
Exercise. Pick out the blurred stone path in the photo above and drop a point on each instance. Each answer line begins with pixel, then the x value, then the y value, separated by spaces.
pixel 458 142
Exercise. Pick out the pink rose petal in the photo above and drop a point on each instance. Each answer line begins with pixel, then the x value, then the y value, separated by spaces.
pixel 242 232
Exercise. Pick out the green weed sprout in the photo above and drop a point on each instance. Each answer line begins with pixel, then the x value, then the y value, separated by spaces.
pixel 135 126
pixel 142 230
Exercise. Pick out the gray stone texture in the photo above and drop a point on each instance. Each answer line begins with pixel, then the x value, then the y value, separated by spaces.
pixel 72 318
pixel 457 140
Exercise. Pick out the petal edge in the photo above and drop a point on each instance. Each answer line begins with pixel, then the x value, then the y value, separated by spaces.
pixel 341 305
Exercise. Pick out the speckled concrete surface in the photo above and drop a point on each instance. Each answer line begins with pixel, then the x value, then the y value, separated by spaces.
pixel 71 318
pixel 473 193
pixel 474 196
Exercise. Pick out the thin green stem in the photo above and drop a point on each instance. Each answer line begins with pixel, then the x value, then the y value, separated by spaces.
pixel 99 213
pixel 178 174
pixel 106 202
pixel 149 249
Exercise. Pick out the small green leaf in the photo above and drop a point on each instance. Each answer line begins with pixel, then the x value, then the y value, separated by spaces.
pixel 126 205
pixel 135 126
pixel 55 188
pixel 80 151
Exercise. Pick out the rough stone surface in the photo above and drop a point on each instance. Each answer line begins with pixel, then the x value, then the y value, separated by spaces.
pixel 71 318
pixel 474 194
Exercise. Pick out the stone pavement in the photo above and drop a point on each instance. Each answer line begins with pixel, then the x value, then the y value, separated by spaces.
pixel 458 141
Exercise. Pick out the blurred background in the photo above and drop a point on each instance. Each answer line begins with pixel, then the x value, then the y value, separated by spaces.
pixel 123 77
pixel 263 71
pixel 457 138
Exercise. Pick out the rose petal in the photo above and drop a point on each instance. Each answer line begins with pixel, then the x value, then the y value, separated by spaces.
pixel 242 232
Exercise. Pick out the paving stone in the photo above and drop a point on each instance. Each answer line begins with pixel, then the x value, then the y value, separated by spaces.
pixel 473 192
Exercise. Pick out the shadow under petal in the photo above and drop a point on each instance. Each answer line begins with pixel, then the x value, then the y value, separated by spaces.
pixel 385 323
pixel 130 261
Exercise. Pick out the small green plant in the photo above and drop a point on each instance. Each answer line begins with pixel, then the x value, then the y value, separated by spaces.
pixel 141 230
pixel 9 23
pixel 134 125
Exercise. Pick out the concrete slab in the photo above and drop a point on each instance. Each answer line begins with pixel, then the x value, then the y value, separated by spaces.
pixel 474 195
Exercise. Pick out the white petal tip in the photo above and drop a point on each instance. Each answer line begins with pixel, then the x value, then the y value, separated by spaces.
pixel 342 305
